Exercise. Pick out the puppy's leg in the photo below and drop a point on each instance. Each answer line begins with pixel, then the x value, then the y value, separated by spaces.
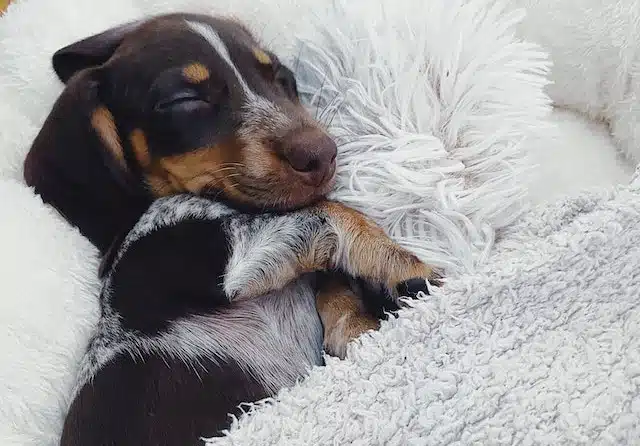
pixel 364 250
pixel 328 236
pixel 342 313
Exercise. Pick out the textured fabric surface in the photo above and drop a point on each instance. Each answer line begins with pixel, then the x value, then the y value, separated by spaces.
pixel 431 102
pixel 540 346
pixel 593 45
pixel 48 309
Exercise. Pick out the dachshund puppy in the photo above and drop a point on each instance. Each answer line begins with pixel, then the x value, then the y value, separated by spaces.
pixel 180 142
pixel 205 308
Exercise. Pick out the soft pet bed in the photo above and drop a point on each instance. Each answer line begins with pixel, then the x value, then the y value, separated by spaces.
pixel 533 340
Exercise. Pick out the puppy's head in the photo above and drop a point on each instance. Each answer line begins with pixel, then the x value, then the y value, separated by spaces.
pixel 178 103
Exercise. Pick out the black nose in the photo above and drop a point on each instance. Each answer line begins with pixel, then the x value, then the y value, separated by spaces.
pixel 312 155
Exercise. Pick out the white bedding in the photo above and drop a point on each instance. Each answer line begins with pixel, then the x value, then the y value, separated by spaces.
pixel 438 103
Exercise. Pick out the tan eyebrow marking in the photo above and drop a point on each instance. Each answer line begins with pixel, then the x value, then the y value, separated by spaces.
pixel 103 123
pixel 261 56
pixel 211 36
pixel 196 73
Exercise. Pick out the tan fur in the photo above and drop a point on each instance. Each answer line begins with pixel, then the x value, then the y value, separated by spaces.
pixel 366 251
pixel 261 56
pixel 187 172
pixel 140 147
pixel 196 73
pixel 103 123
pixel 320 249
pixel 343 316
pixel 260 159
pixel 160 186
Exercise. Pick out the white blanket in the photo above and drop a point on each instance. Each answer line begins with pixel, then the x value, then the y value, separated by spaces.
pixel 432 102
pixel 539 346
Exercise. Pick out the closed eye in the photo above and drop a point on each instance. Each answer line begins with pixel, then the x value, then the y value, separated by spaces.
pixel 185 99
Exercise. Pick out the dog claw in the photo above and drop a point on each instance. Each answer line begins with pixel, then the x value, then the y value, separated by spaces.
pixel 411 287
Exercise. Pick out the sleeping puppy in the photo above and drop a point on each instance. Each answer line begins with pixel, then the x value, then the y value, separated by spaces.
pixel 208 301
pixel 205 308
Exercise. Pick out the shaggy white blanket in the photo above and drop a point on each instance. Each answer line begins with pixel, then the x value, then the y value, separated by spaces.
pixel 539 346
pixel 432 102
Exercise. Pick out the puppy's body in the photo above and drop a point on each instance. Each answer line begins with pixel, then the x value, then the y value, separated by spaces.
pixel 203 307
pixel 186 334
pixel 173 354
pixel 181 384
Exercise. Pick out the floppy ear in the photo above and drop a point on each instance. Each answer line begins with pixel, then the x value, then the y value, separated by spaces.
pixel 90 52
pixel 76 164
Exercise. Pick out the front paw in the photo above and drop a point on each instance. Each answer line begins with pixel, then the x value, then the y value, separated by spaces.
pixel 416 285
pixel 413 287
pixel 416 278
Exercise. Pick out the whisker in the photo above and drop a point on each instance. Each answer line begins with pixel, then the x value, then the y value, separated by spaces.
pixel 232 166
pixel 333 106
pixel 200 174
pixel 297 62
pixel 221 190
pixel 222 169
pixel 231 175
pixel 336 110
pixel 317 95
pixel 329 106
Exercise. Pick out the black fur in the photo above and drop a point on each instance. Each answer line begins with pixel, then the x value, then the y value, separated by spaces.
pixel 70 168
pixel 173 272
pixel 412 287
pixel 156 401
